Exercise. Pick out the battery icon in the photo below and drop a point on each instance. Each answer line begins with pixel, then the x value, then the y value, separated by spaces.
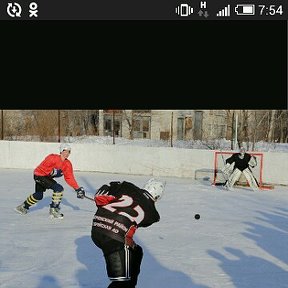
pixel 245 9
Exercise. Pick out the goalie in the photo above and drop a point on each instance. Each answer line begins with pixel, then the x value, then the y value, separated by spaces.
pixel 243 162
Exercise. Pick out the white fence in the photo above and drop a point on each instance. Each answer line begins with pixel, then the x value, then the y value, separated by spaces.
pixel 137 160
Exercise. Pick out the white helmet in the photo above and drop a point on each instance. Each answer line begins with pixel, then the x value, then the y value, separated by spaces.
pixel 155 188
pixel 65 146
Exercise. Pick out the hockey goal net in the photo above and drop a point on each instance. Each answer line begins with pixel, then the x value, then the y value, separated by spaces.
pixel 220 160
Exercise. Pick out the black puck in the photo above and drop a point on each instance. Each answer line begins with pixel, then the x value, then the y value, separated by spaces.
pixel 197 216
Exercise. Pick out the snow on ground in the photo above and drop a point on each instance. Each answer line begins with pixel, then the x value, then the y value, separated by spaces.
pixel 220 144
pixel 240 241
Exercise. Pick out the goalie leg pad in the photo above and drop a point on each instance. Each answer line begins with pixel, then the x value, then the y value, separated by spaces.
pixel 233 178
pixel 226 171
pixel 251 179
pixel 253 162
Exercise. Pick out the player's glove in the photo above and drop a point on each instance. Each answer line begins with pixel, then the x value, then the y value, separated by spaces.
pixel 103 190
pixel 80 192
pixel 56 173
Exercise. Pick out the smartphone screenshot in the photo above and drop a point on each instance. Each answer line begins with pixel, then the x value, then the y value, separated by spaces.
pixel 154 54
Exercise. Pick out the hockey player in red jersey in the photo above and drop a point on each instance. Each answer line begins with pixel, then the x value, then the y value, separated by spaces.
pixel 122 209
pixel 243 162
pixel 53 166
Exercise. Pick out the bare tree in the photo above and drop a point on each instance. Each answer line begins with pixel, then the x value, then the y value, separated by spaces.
pixel 44 124
pixel 256 122
pixel 243 134
pixel 79 122
pixel 271 126
pixel 280 126
pixel 129 123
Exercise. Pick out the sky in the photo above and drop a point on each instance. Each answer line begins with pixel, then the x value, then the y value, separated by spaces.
pixel 240 240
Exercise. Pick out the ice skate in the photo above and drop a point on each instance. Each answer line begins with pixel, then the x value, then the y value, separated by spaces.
pixel 55 213
pixel 21 209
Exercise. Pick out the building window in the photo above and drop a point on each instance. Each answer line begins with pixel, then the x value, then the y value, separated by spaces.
pixel 136 125
pixel 141 126
pixel 146 125
pixel 108 125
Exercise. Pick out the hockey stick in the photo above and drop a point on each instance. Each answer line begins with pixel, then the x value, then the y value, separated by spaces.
pixel 87 197
pixel 220 183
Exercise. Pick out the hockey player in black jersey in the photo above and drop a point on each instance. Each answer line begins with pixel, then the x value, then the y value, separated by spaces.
pixel 243 162
pixel 122 208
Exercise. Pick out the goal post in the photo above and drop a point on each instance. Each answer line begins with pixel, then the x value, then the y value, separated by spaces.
pixel 220 161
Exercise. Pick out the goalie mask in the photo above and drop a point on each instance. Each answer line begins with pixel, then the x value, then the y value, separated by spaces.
pixel 242 152
pixel 155 188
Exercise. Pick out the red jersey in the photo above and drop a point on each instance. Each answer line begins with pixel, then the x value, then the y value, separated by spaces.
pixel 54 161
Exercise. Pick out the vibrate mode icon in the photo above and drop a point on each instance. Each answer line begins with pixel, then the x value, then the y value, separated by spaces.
pixel 184 10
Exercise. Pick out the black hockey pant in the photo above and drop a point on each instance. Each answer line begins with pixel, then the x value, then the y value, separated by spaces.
pixel 122 262
pixel 123 266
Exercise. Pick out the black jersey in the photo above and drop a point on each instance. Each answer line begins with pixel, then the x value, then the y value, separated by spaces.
pixel 241 164
pixel 122 208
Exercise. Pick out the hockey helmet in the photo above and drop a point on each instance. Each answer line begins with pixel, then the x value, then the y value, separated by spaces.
pixel 155 188
pixel 65 146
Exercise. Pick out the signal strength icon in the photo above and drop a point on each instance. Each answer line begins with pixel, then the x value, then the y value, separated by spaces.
pixel 225 12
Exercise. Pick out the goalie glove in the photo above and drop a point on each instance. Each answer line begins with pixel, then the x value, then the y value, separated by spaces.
pixel 80 192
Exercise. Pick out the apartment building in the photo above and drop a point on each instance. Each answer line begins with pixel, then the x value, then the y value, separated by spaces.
pixel 164 124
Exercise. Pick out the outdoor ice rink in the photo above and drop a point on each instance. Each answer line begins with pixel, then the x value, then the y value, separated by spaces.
pixel 240 241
